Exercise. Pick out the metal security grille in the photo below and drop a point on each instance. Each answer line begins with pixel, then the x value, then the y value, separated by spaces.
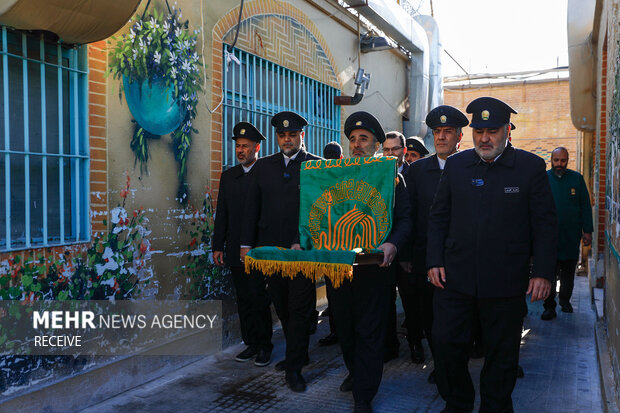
pixel 44 155
pixel 255 89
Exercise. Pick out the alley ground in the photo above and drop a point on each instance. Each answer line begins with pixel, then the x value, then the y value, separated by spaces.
pixel 558 357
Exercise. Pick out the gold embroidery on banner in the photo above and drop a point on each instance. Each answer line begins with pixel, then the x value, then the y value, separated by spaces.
pixel 342 235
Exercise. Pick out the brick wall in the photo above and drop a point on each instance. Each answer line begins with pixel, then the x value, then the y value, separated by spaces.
pixel 97 119
pixel 601 157
pixel 97 108
pixel 543 122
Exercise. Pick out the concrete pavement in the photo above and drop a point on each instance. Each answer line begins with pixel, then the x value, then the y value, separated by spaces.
pixel 559 359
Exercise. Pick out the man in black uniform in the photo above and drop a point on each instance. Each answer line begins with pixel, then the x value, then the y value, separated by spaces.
pixel 252 298
pixel 447 125
pixel 271 220
pixel 416 149
pixel 493 211
pixel 361 306
pixel 395 145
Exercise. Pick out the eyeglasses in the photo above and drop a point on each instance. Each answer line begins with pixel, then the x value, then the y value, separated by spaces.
pixel 394 149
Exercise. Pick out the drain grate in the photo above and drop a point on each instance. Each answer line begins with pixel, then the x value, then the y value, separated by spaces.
pixel 255 394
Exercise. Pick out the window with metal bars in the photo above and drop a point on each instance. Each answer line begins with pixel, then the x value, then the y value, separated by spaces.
pixel 44 154
pixel 255 89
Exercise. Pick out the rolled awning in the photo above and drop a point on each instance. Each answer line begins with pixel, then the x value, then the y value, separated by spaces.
pixel 74 21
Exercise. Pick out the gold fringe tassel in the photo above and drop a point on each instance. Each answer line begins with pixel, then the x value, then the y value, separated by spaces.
pixel 337 273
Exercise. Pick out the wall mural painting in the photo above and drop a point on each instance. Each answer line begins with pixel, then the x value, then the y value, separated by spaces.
pixel 161 77
pixel 613 173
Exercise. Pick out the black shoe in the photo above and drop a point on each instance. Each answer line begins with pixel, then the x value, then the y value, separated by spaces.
pixel 417 353
pixel 347 384
pixel 313 322
pixel 247 354
pixel 520 373
pixel 431 378
pixel 548 314
pixel 263 358
pixel 362 407
pixel 566 307
pixel 324 313
pixel 295 381
pixel 390 355
pixel 329 340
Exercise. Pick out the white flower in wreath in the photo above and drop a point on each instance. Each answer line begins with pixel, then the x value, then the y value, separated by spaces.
pixel 157 57
pixel 132 35
pixel 185 97
pixel 135 53
pixel 186 44
pixel 173 72
pixel 153 23
pixel 149 39
pixel 166 27
pixel 177 32
pixel 138 26
pixel 187 67
pixel 172 58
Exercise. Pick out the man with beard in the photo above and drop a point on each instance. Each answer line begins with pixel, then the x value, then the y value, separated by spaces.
pixel 493 210
pixel 572 203
pixel 361 305
pixel 271 220
pixel 252 298
pixel 447 124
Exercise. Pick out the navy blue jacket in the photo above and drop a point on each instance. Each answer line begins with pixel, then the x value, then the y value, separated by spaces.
pixel 422 181
pixel 229 212
pixel 401 218
pixel 488 219
pixel 271 214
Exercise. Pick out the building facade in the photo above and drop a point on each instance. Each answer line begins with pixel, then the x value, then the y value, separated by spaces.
pixel 81 184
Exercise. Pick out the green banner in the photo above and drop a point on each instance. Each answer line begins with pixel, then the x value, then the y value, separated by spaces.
pixel 346 203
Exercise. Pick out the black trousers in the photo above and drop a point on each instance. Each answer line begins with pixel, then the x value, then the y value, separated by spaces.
pixel 253 305
pixel 453 327
pixel 329 291
pixel 295 303
pixel 565 272
pixel 360 311
pixel 419 304
pixel 416 293
pixel 391 343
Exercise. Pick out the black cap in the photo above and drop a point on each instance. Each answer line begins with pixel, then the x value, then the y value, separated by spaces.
pixel 445 115
pixel 416 144
pixel 248 131
pixel 489 112
pixel 364 120
pixel 288 121
pixel 512 126
pixel 332 150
